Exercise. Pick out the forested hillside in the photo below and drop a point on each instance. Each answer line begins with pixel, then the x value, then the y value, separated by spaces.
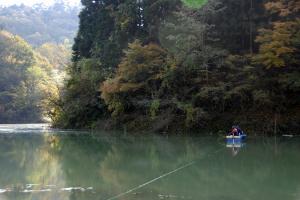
pixel 27 88
pixel 40 24
pixel 35 49
pixel 169 64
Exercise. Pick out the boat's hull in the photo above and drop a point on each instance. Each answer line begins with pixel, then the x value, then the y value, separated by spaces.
pixel 236 137
pixel 230 139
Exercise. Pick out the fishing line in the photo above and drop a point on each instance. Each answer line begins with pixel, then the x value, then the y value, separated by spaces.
pixel 160 177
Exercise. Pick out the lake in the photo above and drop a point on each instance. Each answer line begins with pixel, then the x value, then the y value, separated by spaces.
pixel 39 163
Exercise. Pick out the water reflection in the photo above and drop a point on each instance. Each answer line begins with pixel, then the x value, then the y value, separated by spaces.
pixel 52 166
pixel 235 147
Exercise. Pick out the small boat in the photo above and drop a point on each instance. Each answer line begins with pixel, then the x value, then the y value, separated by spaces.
pixel 233 139
pixel 242 136
pixel 235 136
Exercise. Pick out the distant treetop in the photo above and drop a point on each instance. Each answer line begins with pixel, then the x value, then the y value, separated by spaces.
pixel 39 24
pixel 194 3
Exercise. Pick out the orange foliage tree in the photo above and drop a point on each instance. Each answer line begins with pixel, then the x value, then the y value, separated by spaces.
pixel 139 73
pixel 279 44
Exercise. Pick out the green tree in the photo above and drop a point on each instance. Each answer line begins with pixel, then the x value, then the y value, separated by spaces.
pixel 195 3
pixel 25 81
pixel 80 104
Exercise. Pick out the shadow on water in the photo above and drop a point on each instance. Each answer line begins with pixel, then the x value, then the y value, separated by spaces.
pixel 83 166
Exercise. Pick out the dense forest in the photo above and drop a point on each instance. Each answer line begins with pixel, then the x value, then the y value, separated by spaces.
pixel 40 24
pixel 160 65
pixel 25 81
pixel 33 68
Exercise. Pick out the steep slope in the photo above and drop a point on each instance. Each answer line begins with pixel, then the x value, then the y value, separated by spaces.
pixel 39 24
pixel 26 86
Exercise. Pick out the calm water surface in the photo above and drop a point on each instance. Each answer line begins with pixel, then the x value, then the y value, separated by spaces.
pixel 37 163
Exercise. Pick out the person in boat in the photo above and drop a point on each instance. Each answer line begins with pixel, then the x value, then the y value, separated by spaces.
pixel 236 131
pixel 240 132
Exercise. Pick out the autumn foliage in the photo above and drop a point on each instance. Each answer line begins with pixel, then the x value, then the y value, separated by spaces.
pixel 165 65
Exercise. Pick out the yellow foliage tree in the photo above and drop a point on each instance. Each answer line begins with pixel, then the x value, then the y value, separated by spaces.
pixel 139 70
pixel 278 45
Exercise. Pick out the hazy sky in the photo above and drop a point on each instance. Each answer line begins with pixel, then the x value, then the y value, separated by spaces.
pixel 31 2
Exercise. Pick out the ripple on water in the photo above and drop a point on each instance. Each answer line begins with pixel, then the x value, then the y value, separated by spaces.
pixel 33 129
pixel 24 128
pixel 36 191
pixel 2 191
pixel 48 188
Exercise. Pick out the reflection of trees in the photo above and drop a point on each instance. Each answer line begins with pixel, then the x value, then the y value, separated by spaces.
pixel 112 166
pixel 79 157
pixel 16 154
pixel 45 167
pixel 257 172
pixel 132 163
pixel 30 160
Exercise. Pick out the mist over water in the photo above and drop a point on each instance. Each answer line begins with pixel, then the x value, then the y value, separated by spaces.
pixel 82 165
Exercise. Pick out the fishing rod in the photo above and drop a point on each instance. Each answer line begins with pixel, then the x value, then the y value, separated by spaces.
pixel 162 176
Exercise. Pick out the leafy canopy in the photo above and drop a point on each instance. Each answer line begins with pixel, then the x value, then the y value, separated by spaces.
pixel 194 3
